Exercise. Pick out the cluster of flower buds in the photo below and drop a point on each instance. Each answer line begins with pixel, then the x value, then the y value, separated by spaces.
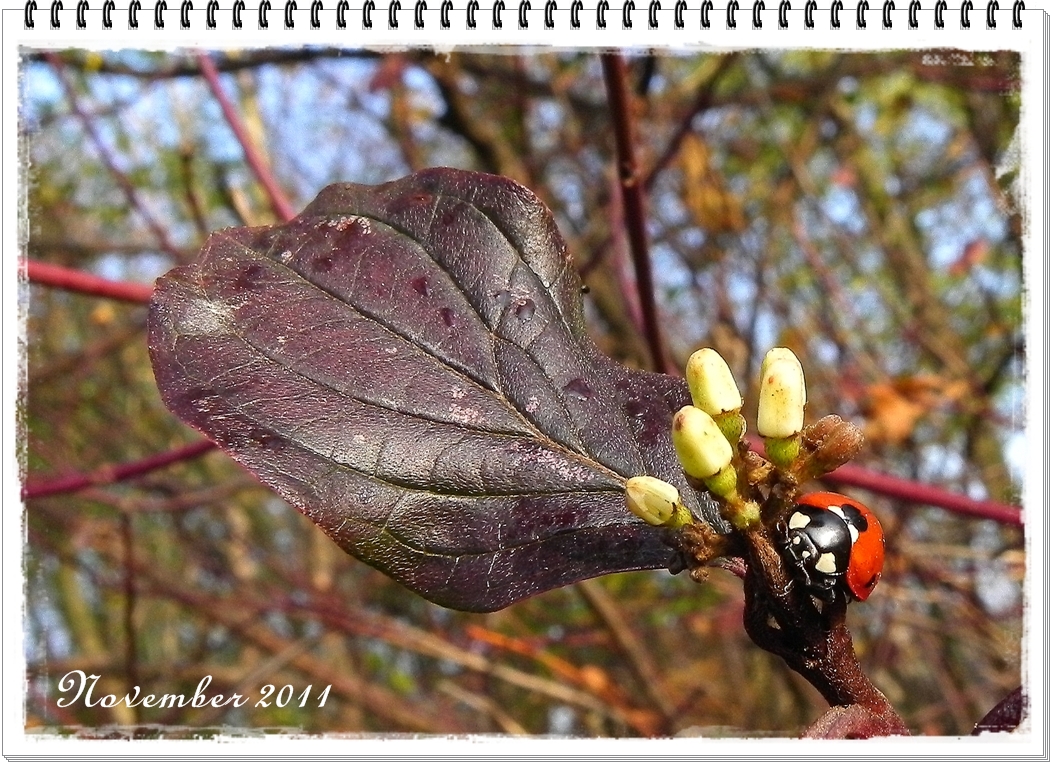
pixel 709 439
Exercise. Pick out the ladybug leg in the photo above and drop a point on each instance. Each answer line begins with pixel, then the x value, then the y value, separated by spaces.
pixel 825 588
pixel 783 592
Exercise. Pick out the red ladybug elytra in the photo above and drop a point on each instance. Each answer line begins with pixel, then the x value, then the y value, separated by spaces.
pixel 835 544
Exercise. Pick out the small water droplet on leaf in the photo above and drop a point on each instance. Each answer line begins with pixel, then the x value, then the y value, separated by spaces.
pixel 635 408
pixel 525 309
pixel 249 278
pixel 578 388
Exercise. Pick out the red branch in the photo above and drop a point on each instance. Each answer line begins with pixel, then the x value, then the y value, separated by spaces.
pixel 280 204
pixel 920 493
pixel 85 283
pixel 633 202
pixel 115 473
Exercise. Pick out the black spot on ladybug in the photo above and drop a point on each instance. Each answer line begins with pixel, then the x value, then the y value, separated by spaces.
pixel 853 516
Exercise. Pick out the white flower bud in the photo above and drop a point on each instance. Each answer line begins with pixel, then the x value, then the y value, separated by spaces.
pixel 780 411
pixel 652 500
pixel 700 445
pixel 777 354
pixel 712 386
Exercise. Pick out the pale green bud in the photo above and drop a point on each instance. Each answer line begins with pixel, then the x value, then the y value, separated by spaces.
pixel 782 451
pixel 700 445
pixel 724 483
pixel 712 386
pixel 732 425
pixel 655 501
pixel 780 412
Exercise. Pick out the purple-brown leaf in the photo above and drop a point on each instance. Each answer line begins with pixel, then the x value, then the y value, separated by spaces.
pixel 1006 716
pixel 408 365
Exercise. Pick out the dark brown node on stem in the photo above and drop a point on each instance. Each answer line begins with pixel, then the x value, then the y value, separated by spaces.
pixel 828 443
pixel 757 471
pixel 699 544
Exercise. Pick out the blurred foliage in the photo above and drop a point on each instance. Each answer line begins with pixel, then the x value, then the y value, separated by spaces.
pixel 858 208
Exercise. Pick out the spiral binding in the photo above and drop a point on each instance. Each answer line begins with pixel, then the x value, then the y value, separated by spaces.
pixel 471 13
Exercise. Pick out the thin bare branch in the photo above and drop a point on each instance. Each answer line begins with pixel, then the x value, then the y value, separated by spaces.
pixel 181 66
pixel 484 705
pixel 401 634
pixel 631 647
pixel 379 700
pixel 186 166
pixel 278 201
pixel 916 492
pixel 131 658
pixel 72 280
pixel 922 493
pixel 633 202
pixel 701 103
pixel 493 150
pixel 185 500
pixel 126 185
pixel 114 473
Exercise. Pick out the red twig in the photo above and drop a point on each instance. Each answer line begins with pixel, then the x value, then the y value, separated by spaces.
pixel 919 493
pixel 278 201
pixel 619 260
pixel 115 473
pixel 125 183
pixel 633 202
pixel 85 283
pixel 701 103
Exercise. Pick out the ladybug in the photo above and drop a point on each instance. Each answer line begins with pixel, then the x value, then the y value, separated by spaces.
pixel 835 544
